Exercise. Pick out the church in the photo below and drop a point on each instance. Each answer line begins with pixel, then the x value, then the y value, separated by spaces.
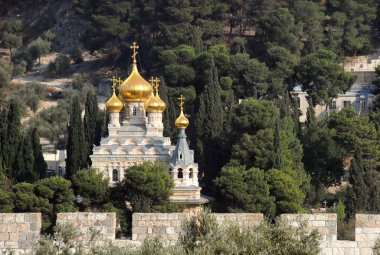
pixel 135 130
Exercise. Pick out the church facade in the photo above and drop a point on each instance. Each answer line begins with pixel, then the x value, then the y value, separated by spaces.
pixel 135 130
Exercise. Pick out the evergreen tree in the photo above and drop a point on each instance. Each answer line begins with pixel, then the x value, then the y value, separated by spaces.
pixel 277 162
pixel 209 126
pixel 76 146
pixel 24 165
pixel 39 166
pixel 3 138
pixel 358 194
pixel 13 136
pixel 91 123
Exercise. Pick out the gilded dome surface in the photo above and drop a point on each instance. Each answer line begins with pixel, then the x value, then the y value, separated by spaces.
pixel 114 104
pixel 182 121
pixel 135 88
pixel 155 103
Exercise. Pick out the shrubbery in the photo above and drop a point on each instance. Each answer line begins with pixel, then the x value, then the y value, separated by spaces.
pixel 61 65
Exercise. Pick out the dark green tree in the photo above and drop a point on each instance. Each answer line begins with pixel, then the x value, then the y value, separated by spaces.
pixel 358 195
pixel 91 123
pixel 76 147
pixel 13 136
pixel 243 190
pixel 23 167
pixel 322 77
pixel 92 187
pixel 277 161
pixel 39 166
pixel 39 48
pixel 148 187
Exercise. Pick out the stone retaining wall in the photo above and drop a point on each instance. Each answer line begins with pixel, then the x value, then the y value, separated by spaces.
pixel 103 225
pixel 168 225
pixel 19 231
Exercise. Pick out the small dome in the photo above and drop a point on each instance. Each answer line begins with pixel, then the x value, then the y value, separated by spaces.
pixel 155 104
pixel 182 121
pixel 114 104
pixel 135 88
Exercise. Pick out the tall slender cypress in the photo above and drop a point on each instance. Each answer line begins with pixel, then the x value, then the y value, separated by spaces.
pixel 91 123
pixel 39 166
pixel 277 162
pixel 24 164
pixel 13 136
pixel 163 92
pixel 76 148
pixel 3 138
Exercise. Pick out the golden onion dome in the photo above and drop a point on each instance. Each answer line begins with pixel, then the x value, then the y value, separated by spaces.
pixel 155 103
pixel 182 121
pixel 135 88
pixel 114 104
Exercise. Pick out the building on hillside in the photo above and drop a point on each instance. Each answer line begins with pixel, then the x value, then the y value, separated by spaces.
pixel 359 96
pixel 136 135
pixel 56 162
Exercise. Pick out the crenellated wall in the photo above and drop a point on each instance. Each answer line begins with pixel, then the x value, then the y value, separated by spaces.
pixel 18 231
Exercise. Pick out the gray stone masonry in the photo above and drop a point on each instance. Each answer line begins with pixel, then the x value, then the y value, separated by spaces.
pixel 103 225
pixel 19 231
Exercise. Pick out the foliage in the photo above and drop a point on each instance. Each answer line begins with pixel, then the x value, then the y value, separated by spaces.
pixel 92 187
pixel 48 196
pixel 322 77
pixel 147 187
pixel 91 124
pixel 12 37
pixel 61 65
pixel 5 73
pixel 239 189
pixel 39 48
pixel 76 146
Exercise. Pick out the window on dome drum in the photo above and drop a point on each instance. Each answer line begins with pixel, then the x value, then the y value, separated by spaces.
pixel 363 104
pixel 346 104
pixel 191 173
pixel 134 112
pixel 180 173
pixel 115 175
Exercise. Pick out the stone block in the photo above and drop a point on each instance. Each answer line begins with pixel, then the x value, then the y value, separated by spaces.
pixel 140 223
pixel 134 236
pixel 139 230
pixel 9 218
pixel 9 244
pixel 20 218
pixel 170 230
pixel 4 237
pixel 14 237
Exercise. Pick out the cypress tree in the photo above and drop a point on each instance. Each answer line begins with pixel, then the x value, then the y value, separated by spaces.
pixel 39 166
pixel 13 136
pixel 209 126
pixel 24 165
pixel 91 123
pixel 358 194
pixel 310 114
pixel 76 148
pixel 277 162
pixel 3 137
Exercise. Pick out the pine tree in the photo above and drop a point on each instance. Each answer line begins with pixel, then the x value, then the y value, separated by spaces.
pixel 91 123
pixel 310 114
pixel 76 146
pixel 39 166
pixel 13 136
pixel 24 164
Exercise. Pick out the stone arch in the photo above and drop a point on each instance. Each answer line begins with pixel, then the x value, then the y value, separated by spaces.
pixel 131 141
pixel 191 173
pixel 147 141
pixel 114 142
pixel 180 173
pixel 137 151
pixel 106 151
pixel 115 175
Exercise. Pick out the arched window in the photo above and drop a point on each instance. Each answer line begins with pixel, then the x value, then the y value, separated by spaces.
pixel 180 173
pixel 115 175
pixel 191 173
pixel 134 111
pixel 60 171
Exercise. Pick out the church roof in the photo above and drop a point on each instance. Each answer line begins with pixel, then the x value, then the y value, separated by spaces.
pixel 182 155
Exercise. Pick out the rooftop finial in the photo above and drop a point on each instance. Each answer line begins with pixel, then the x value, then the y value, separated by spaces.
pixel 114 82
pixel 134 47
pixel 181 101
pixel 157 84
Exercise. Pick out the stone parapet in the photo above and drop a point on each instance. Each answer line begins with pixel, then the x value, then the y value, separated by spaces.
pixel 100 225
pixel 19 231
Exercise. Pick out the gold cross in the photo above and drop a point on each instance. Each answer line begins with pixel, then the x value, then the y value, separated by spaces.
pixel 181 101
pixel 119 81
pixel 134 47
pixel 157 81
pixel 114 82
